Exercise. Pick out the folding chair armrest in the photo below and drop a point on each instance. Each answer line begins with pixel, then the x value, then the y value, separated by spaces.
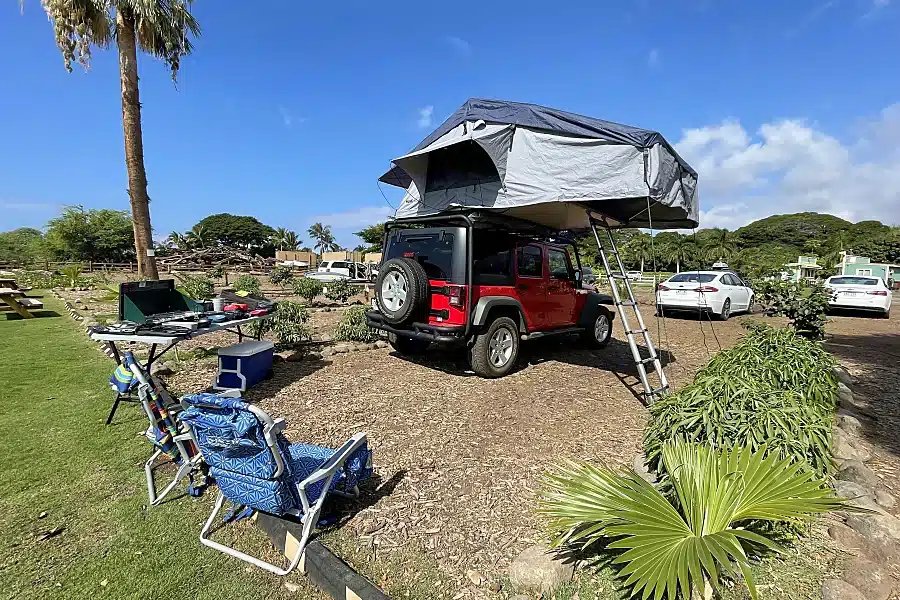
pixel 330 466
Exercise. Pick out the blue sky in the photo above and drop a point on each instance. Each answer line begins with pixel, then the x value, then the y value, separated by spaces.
pixel 291 113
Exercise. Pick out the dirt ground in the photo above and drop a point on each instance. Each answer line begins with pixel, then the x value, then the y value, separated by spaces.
pixel 459 459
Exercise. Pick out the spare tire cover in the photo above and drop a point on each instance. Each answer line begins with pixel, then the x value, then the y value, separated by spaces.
pixel 402 291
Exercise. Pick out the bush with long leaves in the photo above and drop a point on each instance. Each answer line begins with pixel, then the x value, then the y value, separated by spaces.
pixel 307 288
pixel 353 327
pixel 247 283
pixel 669 545
pixel 774 388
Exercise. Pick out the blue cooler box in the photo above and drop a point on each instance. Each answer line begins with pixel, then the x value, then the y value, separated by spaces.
pixel 244 365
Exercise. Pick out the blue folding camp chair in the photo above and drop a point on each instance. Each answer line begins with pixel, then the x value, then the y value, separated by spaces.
pixel 168 438
pixel 255 467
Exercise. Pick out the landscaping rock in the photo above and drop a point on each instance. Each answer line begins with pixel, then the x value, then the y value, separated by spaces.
pixel 881 532
pixel 844 392
pixel 836 589
pixel 883 498
pixel 844 449
pixel 849 423
pixel 849 539
pixel 342 348
pixel 842 374
pixel 855 471
pixel 381 344
pixel 853 404
pixel 327 352
pixel 536 569
pixel 856 494
pixel 872 580
pixel 163 368
pixel 641 469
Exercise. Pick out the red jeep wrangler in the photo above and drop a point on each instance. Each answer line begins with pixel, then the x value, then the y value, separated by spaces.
pixel 462 281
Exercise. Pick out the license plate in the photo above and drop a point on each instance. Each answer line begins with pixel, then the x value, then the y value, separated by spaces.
pixel 681 291
pixel 852 294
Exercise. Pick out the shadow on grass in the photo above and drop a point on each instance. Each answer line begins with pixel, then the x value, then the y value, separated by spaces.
pixel 38 314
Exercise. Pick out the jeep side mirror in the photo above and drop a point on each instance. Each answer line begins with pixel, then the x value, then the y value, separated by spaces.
pixel 577 275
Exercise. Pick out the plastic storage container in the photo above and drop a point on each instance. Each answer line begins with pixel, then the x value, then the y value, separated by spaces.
pixel 242 366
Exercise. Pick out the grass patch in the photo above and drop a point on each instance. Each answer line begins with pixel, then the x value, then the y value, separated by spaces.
pixel 60 458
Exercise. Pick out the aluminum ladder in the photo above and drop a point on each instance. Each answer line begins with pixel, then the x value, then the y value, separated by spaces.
pixel 650 393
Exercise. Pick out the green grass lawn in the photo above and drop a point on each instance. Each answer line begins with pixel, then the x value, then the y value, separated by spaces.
pixel 59 458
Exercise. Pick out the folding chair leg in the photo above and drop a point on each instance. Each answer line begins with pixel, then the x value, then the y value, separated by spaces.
pixel 308 522
pixel 184 470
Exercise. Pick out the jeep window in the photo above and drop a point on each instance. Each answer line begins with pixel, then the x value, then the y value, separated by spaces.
pixel 559 264
pixel 432 250
pixel 493 259
pixel 529 261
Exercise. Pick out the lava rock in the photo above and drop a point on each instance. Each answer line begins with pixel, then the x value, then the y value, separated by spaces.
pixel 381 344
pixel 881 532
pixel 842 374
pixel 836 589
pixel 872 580
pixel 883 498
pixel 844 448
pixel 855 471
pixel 538 570
pixel 849 423
pixel 857 495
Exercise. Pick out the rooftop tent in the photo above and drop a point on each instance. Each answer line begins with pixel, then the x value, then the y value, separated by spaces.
pixel 546 166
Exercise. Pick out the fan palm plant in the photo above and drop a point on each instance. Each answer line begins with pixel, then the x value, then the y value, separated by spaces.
pixel 160 28
pixel 279 236
pixel 291 241
pixel 197 237
pixel 673 544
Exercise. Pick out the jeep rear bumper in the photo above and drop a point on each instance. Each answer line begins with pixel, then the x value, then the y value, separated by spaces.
pixel 448 335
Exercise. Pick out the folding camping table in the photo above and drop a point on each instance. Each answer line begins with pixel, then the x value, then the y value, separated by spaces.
pixel 167 342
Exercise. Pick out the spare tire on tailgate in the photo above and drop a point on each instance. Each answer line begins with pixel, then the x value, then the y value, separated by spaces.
pixel 401 291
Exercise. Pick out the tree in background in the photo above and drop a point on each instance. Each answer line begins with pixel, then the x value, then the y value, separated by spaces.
pixel 680 249
pixel 291 241
pixel 373 236
pixel 323 237
pixel 197 237
pixel 236 231
pixel 24 245
pixel 640 248
pixel 99 235
pixel 177 241
pixel 160 28
pixel 722 245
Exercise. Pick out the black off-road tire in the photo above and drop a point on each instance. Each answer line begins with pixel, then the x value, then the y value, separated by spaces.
pixel 726 310
pixel 407 346
pixel 417 291
pixel 589 335
pixel 480 352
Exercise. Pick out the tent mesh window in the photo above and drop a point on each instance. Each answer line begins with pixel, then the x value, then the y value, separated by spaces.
pixel 459 165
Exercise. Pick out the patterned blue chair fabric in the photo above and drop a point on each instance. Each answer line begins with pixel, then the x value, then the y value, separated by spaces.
pixel 233 441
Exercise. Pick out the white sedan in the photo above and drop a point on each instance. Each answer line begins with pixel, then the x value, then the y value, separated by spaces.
pixel 859 292
pixel 721 293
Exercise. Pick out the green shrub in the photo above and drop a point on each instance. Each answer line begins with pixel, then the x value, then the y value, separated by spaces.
pixel 353 328
pixel 804 304
pixel 44 280
pixel 288 323
pixel 247 283
pixel 71 275
pixel 282 276
pixel 666 545
pixel 340 290
pixel 217 272
pixel 307 288
pixel 774 388
pixel 197 287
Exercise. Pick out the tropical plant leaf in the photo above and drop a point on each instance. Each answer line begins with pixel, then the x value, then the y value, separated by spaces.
pixel 665 547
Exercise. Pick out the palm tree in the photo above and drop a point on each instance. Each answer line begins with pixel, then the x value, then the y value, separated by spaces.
pixel 721 245
pixel 197 237
pixel 680 249
pixel 641 247
pixel 159 28
pixel 291 241
pixel 177 240
pixel 323 236
pixel 279 237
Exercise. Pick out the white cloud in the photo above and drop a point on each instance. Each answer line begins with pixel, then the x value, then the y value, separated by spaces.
pixel 426 114
pixel 876 7
pixel 288 118
pixel 653 58
pixel 792 166
pixel 459 45
pixel 356 218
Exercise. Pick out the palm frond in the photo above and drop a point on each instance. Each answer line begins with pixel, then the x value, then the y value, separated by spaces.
pixel 665 550
pixel 163 28
pixel 78 25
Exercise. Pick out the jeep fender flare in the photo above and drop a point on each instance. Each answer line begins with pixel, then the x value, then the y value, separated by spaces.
pixel 486 303
pixel 593 306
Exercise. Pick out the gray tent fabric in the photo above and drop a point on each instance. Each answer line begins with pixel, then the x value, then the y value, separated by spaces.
pixel 547 166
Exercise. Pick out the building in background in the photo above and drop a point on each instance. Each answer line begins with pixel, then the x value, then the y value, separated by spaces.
pixel 862 265
pixel 805 269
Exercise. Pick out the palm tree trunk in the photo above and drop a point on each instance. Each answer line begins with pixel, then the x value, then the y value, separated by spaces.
pixel 134 146
pixel 678 265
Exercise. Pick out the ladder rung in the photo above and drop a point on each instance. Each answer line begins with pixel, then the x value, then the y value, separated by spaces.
pixel 647 360
pixel 618 276
pixel 664 388
pixel 627 303
pixel 633 331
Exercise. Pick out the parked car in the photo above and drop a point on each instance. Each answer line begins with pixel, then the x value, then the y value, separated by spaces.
pixel 859 292
pixel 434 287
pixel 720 293
pixel 588 277
pixel 634 275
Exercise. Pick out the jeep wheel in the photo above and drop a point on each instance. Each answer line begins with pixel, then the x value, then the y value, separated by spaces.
pixel 597 336
pixel 401 291
pixel 496 349
pixel 405 345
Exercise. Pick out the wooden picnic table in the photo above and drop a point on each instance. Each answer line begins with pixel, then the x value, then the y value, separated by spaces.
pixel 15 299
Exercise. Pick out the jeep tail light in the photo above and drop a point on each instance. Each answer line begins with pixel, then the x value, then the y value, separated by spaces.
pixel 706 288
pixel 877 293
pixel 662 288
pixel 457 295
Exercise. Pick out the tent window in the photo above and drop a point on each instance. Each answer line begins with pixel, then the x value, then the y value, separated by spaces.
pixel 459 165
